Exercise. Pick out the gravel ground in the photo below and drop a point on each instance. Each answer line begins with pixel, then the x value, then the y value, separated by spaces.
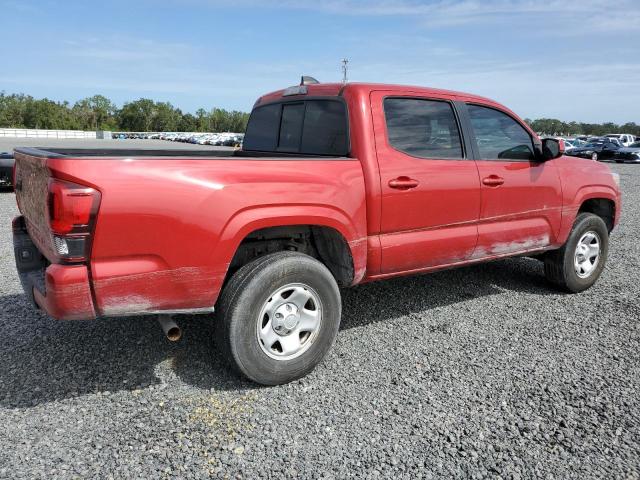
pixel 471 373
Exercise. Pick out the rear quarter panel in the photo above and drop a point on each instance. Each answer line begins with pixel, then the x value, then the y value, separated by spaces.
pixel 167 229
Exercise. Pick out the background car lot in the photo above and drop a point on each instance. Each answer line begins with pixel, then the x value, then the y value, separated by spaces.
pixel 226 139
pixel 474 372
pixel 8 144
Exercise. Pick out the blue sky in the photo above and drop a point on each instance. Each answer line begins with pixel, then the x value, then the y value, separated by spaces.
pixel 572 59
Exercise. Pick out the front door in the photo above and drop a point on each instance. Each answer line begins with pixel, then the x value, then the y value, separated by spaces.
pixel 429 183
pixel 521 197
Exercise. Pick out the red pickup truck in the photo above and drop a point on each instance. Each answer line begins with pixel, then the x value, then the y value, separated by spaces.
pixel 335 185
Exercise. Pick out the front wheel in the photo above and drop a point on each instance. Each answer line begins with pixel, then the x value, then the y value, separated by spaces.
pixel 594 156
pixel 578 264
pixel 278 317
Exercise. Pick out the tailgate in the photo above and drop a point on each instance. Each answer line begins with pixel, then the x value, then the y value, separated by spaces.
pixel 32 177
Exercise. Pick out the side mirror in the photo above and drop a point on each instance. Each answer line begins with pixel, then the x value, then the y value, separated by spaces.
pixel 552 148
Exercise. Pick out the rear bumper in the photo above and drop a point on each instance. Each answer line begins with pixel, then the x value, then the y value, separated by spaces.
pixel 62 291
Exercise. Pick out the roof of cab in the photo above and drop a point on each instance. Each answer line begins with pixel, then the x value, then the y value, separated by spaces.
pixel 335 89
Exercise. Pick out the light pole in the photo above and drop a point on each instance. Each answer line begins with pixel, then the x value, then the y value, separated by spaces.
pixel 345 66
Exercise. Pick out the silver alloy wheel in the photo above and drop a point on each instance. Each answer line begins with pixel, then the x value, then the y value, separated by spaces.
pixel 587 254
pixel 594 156
pixel 289 321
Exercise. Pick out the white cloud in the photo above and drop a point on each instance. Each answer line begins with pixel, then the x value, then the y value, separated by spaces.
pixel 579 80
pixel 20 7
pixel 550 16
pixel 572 92
pixel 124 48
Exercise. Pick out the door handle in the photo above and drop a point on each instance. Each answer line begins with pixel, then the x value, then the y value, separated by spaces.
pixel 493 181
pixel 403 183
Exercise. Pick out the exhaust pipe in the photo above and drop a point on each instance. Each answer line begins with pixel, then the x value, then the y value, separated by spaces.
pixel 170 328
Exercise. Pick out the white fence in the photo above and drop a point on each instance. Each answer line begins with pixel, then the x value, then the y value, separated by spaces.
pixel 33 133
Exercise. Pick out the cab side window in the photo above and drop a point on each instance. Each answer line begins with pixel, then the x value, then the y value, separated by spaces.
pixel 499 137
pixel 422 128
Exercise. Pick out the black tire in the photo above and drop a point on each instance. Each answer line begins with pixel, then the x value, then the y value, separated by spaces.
pixel 559 264
pixel 240 305
pixel 619 161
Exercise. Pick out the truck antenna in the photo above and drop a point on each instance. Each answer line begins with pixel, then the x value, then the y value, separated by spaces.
pixel 345 67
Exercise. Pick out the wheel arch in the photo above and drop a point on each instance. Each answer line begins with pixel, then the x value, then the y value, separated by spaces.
pixel 336 241
pixel 597 199
pixel 605 208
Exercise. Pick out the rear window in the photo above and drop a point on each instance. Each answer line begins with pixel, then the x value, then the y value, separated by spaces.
pixel 291 127
pixel 262 129
pixel 312 127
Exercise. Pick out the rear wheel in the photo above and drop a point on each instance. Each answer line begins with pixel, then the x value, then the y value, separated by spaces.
pixel 278 317
pixel 578 264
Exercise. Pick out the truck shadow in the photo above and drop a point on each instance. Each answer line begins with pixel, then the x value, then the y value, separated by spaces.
pixel 44 360
pixel 398 297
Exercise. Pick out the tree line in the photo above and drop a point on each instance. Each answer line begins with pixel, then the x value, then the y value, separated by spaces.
pixel 552 126
pixel 145 115
pixel 100 113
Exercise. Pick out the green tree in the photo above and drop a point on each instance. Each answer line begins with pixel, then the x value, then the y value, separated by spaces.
pixel 136 116
pixel 238 121
pixel 218 120
pixel 202 119
pixel 95 113
pixel 166 118
pixel 47 114
pixel 188 123
pixel 12 110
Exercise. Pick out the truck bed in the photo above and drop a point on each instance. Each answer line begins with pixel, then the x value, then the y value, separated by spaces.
pixel 170 221
pixel 173 153
pixel 56 152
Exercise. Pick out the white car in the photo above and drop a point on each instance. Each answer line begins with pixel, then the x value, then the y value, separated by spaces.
pixel 625 139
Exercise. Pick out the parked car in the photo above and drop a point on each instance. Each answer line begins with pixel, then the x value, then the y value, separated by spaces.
pixel 596 149
pixel 625 139
pixel 6 169
pixel 571 143
pixel 628 154
pixel 335 185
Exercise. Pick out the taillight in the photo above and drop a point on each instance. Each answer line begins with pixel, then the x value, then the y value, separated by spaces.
pixel 72 212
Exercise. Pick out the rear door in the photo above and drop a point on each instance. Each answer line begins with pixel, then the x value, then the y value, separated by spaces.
pixel 521 197
pixel 429 183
